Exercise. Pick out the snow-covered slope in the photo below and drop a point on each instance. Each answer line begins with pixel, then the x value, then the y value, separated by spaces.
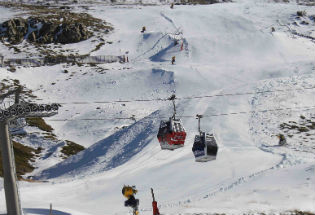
pixel 227 49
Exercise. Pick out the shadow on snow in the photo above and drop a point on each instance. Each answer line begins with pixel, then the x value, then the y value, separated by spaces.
pixel 109 153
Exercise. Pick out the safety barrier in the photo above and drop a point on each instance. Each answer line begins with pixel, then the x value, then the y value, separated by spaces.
pixel 35 62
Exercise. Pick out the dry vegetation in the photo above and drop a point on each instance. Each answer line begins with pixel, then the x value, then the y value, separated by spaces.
pixel 6 85
pixel 24 155
pixel 303 125
pixel 71 148
pixel 306 2
pixel 39 123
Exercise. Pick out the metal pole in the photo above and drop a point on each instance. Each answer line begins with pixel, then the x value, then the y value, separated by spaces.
pixel 17 95
pixel 173 97
pixel 174 109
pixel 199 117
pixel 152 194
pixel 199 124
pixel 9 173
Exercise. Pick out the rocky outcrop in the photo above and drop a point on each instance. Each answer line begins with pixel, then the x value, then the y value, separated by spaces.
pixel 14 30
pixel 72 33
pixel 201 1
pixel 39 30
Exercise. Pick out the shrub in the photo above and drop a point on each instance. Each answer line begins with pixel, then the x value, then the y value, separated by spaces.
pixel 23 155
pixel 39 123
pixel 71 148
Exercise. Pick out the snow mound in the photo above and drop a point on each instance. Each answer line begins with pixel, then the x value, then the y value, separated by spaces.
pixel 158 46
pixel 109 153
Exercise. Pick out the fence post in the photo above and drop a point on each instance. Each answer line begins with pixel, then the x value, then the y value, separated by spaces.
pixel 1 61
pixel 50 210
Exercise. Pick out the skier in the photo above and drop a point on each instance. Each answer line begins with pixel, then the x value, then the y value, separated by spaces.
pixel 172 5
pixel 127 60
pixel 129 192
pixel 143 29
pixel 173 59
pixel 282 140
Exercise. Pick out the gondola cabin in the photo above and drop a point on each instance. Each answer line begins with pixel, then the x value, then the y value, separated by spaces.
pixel 205 147
pixel 171 134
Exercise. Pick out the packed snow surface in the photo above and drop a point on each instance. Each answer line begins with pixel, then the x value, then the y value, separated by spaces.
pixel 228 48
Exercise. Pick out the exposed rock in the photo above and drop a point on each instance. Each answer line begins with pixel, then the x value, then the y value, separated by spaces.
pixel 304 23
pixel 38 30
pixel 32 37
pixel 64 8
pixel 301 13
pixel 72 33
pixel 15 29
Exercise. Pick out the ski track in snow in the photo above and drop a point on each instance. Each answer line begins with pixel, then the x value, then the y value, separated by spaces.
pixel 286 161
pixel 160 51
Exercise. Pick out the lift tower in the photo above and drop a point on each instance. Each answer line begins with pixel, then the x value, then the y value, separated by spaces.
pixel 14 112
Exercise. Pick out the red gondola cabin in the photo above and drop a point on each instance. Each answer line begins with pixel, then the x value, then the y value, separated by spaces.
pixel 171 134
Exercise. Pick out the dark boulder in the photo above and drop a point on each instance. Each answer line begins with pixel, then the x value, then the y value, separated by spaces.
pixel 38 30
pixel 72 33
pixel 15 30
pixel 301 13
pixel 32 37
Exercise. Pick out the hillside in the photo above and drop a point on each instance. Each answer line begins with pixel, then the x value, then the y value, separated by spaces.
pixel 247 66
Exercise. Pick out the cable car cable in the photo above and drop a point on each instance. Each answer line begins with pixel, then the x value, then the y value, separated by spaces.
pixel 187 97
pixel 188 116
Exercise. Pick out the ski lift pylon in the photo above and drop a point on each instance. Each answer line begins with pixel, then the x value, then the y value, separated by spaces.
pixel 171 133
pixel 17 124
pixel 205 146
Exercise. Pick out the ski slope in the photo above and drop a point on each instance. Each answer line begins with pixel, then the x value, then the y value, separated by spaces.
pixel 228 48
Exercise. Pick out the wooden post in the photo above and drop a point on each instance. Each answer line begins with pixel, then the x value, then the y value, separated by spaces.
pixel 50 210
pixel 1 61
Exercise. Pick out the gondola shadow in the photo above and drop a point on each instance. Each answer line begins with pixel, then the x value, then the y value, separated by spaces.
pixel 272 146
pixel 41 211
pixel 158 57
